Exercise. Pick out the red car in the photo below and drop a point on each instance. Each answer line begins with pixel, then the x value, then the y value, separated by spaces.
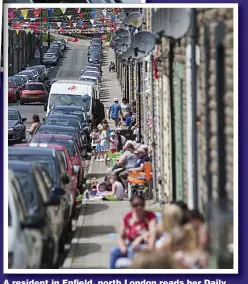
pixel 72 147
pixel 33 92
pixel 12 92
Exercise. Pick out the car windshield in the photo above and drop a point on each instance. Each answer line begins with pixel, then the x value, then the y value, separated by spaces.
pixel 28 186
pixel 63 158
pixel 68 144
pixel 49 55
pixel 30 75
pixel 44 130
pixel 81 115
pixel 47 161
pixel 33 87
pixel 88 79
pixel 88 73
pixel 12 115
pixel 63 122
pixel 11 84
pixel 70 100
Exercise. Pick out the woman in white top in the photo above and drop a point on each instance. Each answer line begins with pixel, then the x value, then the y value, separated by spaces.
pixel 118 190
pixel 104 142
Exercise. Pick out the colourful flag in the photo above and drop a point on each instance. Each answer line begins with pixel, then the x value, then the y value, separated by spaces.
pixel 24 13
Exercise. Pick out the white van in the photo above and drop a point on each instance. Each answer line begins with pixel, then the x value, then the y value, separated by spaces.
pixel 73 93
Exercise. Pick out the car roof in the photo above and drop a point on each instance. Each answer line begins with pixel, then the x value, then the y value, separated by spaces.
pixel 61 115
pixel 67 107
pixel 33 83
pixel 55 136
pixel 46 145
pixel 11 108
pixel 57 127
pixel 32 151
pixel 17 165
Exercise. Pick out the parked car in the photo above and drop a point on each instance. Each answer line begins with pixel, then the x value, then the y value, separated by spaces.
pixel 68 167
pixel 94 58
pixel 40 71
pixel 60 43
pixel 50 58
pixel 30 234
pixel 16 126
pixel 93 79
pixel 19 82
pixel 57 48
pixel 60 182
pixel 91 68
pixel 72 147
pixel 29 74
pixel 72 131
pixel 24 77
pixel 91 73
pixel 33 93
pixel 12 91
pixel 74 110
pixel 44 70
pixel 35 72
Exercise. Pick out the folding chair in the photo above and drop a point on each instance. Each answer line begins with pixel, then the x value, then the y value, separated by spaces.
pixel 138 182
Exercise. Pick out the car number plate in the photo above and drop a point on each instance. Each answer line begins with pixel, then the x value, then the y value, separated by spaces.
pixel 33 97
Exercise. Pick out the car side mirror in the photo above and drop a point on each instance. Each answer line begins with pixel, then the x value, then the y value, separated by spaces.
pixel 54 200
pixel 34 222
pixel 45 107
pixel 24 119
pixel 65 179
pixel 58 190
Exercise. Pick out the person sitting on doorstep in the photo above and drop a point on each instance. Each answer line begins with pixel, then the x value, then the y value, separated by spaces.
pixel 127 119
pixel 138 167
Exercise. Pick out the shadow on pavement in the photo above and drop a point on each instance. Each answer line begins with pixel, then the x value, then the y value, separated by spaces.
pixel 86 248
pixel 91 208
pixel 93 231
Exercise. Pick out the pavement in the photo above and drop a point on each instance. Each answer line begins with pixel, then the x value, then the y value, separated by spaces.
pixel 99 221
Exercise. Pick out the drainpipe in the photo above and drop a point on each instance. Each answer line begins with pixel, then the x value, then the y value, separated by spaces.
pixel 173 142
pixel 139 94
pixel 194 105
pixel 144 101
pixel 154 177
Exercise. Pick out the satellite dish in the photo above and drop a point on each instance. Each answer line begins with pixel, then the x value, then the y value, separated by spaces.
pixel 173 22
pixel 135 20
pixel 126 40
pixel 143 41
pixel 130 54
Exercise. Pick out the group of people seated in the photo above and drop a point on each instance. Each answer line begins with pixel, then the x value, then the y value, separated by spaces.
pixel 176 240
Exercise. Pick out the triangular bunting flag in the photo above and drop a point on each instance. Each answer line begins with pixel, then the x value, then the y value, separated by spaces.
pixel 27 31
pixel 81 15
pixel 32 19
pixel 24 13
pixel 92 21
pixel 45 20
pixel 11 13
pixel 77 10
pixel 59 24
pixel 69 17
pixel 74 25
pixel 36 12
pixel 63 10
pixel 17 32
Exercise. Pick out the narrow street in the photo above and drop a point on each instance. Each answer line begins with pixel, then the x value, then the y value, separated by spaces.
pixel 125 137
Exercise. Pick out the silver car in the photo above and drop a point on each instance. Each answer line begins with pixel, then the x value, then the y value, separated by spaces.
pixel 50 58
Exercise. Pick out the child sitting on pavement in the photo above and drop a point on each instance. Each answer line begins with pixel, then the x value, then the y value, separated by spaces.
pixel 118 191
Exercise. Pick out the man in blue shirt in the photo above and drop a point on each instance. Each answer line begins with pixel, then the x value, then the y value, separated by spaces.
pixel 115 112
pixel 128 119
